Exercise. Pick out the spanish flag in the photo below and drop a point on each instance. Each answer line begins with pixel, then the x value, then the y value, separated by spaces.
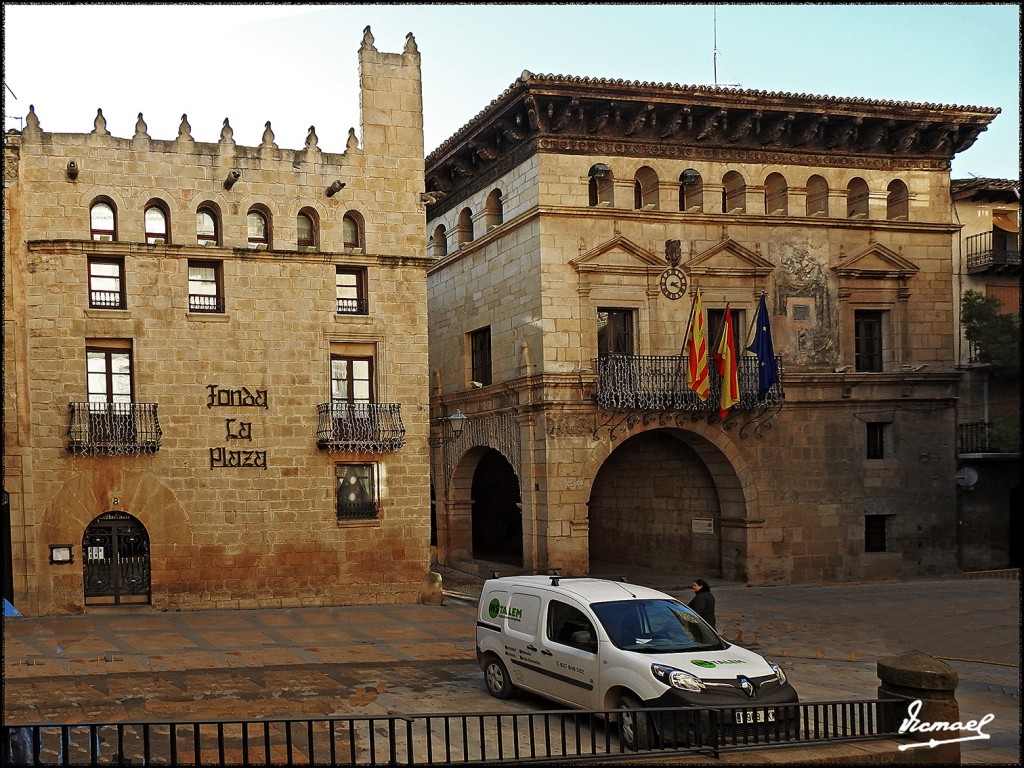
pixel 697 350
pixel 727 366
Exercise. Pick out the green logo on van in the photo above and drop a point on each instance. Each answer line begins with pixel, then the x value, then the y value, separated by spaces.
pixel 495 610
pixel 712 664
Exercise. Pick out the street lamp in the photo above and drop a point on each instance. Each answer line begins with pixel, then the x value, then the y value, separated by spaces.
pixel 454 425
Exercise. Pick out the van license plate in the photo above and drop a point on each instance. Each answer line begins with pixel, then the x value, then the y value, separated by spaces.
pixel 752 716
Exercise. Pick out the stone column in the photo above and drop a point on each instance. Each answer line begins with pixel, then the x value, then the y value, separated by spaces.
pixel 917 677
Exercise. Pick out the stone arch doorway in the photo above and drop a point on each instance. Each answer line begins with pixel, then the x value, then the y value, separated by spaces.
pixel 116 561
pixel 654 504
pixel 497 514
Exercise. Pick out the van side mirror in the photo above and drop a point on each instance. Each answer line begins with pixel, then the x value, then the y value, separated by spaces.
pixel 584 641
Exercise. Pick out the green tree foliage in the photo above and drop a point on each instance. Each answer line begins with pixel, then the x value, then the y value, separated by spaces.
pixel 996 335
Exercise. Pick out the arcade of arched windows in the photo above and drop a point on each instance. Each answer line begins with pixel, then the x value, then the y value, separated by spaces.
pixel 697 194
pixel 260 232
pixel 467 225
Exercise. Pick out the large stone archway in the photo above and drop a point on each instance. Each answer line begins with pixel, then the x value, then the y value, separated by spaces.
pixel 91 493
pixel 733 482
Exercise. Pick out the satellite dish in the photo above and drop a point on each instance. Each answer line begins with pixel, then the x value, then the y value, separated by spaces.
pixel 966 477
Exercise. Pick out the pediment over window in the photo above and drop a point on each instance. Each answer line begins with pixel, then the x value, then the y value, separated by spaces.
pixel 729 259
pixel 618 255
pixel 876 262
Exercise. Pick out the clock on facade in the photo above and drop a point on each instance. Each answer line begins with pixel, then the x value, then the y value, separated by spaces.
pixel 673 283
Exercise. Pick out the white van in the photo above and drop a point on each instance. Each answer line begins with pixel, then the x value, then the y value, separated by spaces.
pixel 599 644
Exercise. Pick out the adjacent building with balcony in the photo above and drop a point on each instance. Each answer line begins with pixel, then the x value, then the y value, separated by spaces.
pixel 987 263
pixel 215 362
pixel 573 222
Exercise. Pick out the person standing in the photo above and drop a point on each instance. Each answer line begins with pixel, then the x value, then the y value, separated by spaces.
pixel 703 602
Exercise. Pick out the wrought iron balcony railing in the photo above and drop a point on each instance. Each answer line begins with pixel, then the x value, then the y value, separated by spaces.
pixel 360 427
pixel 107 300
pixel 994 251
pixel 973 437
pixel 205 303
pixel 114 428
pixel 651 382
pixel 353 306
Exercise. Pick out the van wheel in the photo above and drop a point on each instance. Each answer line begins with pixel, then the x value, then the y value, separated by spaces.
pixel 634 724
pixel 496 677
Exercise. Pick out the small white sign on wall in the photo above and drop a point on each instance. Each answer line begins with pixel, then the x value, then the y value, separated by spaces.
pixel 702 525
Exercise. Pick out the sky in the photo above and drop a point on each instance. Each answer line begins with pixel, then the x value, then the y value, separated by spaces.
pixel 297 65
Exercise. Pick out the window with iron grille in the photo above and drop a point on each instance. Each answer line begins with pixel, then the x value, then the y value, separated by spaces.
pixel 205 286
pixel 867 339
pixel 350 291
pixel 614 332
pixel 356 492
pixel 106 283
pixel 874 533
pixel 480 355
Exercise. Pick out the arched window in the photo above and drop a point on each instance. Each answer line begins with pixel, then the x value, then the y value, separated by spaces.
pixel 817 196
pixel 157 231
pixel 306 229
pixel 734 193
pixel 465 234
pixel 257 224
pixel 645 185
pixel 207 225
pixel 897 202
pixel 440 240
pixel 691 191
pixel 494 215
pixel 857 199
pixel 776 195
pixel 601 187
pixel 103 220
pixel 352 231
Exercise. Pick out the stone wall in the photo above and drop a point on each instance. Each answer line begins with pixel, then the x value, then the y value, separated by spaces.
pixel 264 533
pixel 792 500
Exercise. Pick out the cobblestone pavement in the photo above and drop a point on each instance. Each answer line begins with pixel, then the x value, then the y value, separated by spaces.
pixel 370 660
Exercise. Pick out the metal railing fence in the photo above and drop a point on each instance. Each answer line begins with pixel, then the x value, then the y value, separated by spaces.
pixel 446 739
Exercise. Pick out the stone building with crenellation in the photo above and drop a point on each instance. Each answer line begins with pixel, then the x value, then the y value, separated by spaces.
pixel 215 362
pixel 573 222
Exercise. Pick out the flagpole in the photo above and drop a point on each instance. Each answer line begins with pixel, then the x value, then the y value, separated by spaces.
pixel 689 322
pixel 750 330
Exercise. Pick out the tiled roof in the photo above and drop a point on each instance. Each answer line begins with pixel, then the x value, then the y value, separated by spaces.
pixel 698 91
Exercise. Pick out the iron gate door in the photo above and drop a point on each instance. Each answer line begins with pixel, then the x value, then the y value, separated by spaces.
pixel 115 557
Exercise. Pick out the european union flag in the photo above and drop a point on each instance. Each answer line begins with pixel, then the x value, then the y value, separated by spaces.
pixel 767 368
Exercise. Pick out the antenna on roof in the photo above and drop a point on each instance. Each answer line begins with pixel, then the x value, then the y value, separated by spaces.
pixel 714 51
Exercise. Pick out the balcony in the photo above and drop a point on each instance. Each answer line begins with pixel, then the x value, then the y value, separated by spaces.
pixel 996 252
pixel 982 437
pixel 658 383
pixel 205 303
pixel 114 428
pixel 360 427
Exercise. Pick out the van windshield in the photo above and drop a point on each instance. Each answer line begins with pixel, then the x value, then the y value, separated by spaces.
pixel 656 626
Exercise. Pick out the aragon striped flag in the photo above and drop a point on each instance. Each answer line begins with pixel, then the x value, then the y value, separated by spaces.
pixel 697 351
pixel 727 366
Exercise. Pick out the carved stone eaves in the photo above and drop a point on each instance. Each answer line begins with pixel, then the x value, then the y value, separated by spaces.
pixel 584 115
